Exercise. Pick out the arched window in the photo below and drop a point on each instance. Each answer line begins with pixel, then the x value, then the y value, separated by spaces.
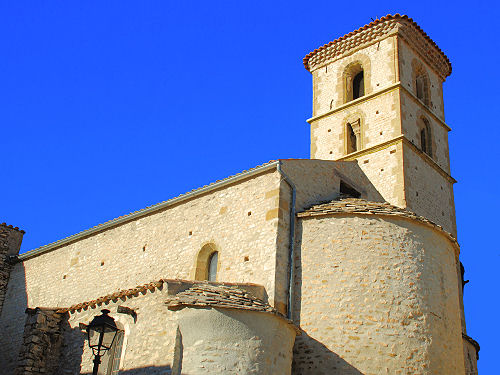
pixel 425 136
pixel 423 140
pixel 358 86
pixel 353 136
pixel 421 77
pixel 207 263
pixel 354 82
pixel 212 266
pixel 351 140
pixel 115 354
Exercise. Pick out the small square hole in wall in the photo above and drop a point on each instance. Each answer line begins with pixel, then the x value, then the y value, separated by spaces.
pixel 441 188
pixel 249 213
pixel 366 161
pixel 144 248
pixel 381 133
pixel 381 169
pixel 393 151
pixel 190 233
pixel 246 259
pixel 329 130
pixel 416 193
pixel 64 277
pixel 376 113
pixel 102 263
pixel 331 152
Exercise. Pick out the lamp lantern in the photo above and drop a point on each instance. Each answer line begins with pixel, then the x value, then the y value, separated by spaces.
pixel 101 335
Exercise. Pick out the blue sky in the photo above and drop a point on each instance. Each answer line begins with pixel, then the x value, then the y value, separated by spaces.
pixel 107 107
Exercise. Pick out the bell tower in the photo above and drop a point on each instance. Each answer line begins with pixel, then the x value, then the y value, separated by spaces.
pixel 378 99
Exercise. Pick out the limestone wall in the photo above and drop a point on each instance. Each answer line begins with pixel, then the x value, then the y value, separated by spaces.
pixel 241 220
pixel 412 111
pixel 376 295
pixel 427 192
pixel 187 341
pixel 407 57
pixel 380 122
pixel 378 62
pixel 221 341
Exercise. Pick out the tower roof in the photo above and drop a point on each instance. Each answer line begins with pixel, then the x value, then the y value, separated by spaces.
pixel 368 34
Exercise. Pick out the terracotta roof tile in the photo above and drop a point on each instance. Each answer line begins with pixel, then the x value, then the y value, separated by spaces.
pixel 11 227
pixel 371 31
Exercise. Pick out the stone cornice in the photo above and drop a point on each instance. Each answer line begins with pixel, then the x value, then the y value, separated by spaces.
pixel 394 141
pixel 375 31
pixel 373 95
pixel 356 101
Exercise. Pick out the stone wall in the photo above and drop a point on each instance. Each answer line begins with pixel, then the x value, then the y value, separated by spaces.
pixel 378 61
pixel 376 295
pixel 41 342
pixel 407 56
pixel 379 121
pixel 427 192
pixel 248 222
pixel 238 219
pixel 10 243
pixel 201 340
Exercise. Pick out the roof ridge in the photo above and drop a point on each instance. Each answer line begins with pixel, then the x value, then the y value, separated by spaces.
pixel 143 211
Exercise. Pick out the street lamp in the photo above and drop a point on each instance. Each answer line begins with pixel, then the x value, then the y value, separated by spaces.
pixel 101 334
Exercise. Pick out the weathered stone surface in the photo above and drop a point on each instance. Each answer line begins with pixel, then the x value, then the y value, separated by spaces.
pixel 42 340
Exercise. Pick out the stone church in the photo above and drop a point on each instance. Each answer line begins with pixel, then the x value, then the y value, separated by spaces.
pixel 344 263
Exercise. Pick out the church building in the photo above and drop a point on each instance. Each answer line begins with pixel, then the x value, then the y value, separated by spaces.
pixel 344 263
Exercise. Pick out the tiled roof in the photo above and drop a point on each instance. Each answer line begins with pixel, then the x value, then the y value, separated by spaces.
pixel 363 207
pixel 372 31
pixel 11 227
pixel 144 288
pixel 114 296
pixel 145 211
pixel 205 294
pixel 225 297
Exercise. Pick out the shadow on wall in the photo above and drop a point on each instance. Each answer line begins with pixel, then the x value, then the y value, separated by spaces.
pixel 312 357
pixel 350 172
pixel 72 349
pixel 148 370
pixel 309 355
pixel 13 318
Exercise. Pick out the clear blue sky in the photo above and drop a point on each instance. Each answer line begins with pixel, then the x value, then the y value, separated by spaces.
pixel 107 107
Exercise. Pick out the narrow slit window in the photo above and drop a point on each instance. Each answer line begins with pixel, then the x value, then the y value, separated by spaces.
pixel 423 140
pixel 358 86
pixel 420 87
pixel 115 354
pixel 212 266
pixel 352 140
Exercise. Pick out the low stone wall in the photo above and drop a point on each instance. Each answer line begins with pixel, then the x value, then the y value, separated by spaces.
pixel 42 342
